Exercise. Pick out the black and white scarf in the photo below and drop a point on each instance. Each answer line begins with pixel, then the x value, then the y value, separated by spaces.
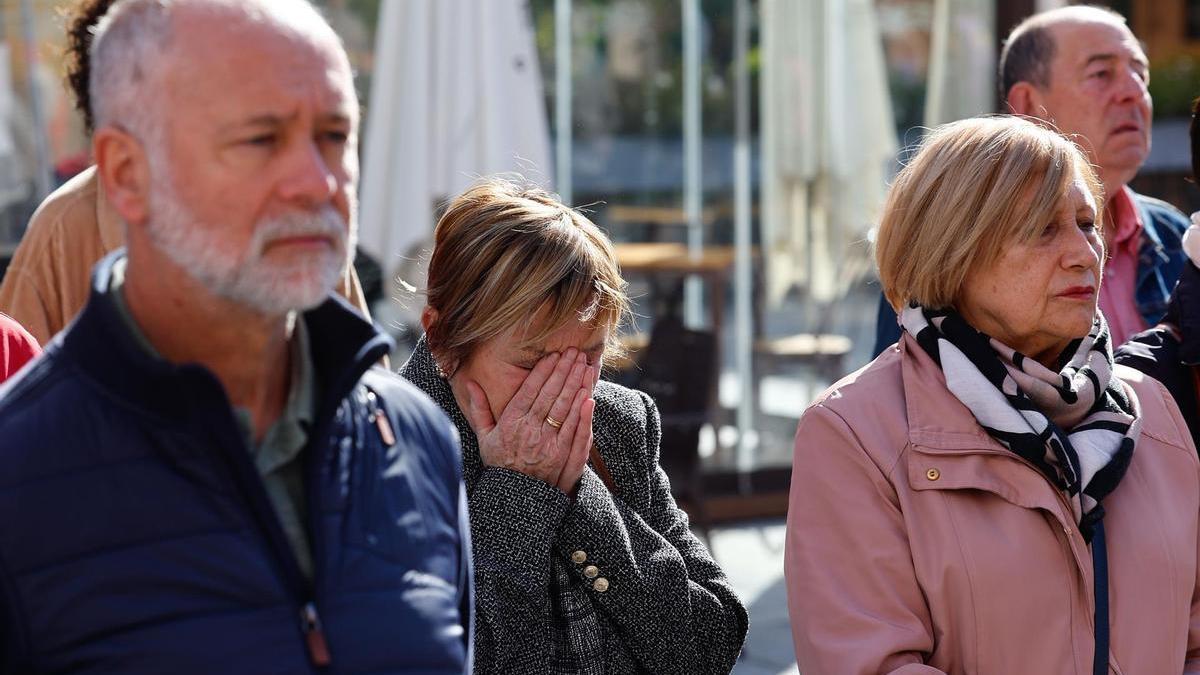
pixel 1077 426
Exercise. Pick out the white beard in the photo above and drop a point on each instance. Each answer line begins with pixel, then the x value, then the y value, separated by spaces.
pixel 269 284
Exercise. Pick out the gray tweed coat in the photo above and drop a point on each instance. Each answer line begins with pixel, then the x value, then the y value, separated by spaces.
pixel 539 609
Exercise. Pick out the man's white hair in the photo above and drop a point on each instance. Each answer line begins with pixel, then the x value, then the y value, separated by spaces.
pixel 132 46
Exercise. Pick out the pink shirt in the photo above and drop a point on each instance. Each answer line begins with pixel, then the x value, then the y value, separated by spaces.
pixel 1118 288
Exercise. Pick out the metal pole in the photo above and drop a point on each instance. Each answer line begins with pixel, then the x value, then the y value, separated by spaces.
pixel 939 52
pixel 742 240
pixel 562 99
pixel 41 151
pixel 693 196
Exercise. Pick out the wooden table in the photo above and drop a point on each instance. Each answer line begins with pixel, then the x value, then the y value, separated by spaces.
pixel 665 261
pixel 659 260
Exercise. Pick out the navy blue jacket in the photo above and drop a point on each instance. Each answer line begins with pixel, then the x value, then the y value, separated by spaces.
pixel 1160 262
pixel 138 537
pixel 1170 352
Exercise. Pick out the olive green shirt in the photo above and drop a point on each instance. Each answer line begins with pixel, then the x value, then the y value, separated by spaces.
pixel 277 457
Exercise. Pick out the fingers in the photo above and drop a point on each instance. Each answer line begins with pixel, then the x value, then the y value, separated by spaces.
pixel 578 428
pixel 564 370
pixel 575 383
pixel 527 393
pixel 478 412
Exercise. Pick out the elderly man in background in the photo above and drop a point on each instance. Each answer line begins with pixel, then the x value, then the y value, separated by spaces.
pixel 1081 70
pixel 206 473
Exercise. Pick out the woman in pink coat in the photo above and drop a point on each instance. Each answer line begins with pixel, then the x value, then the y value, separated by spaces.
pixel 992 495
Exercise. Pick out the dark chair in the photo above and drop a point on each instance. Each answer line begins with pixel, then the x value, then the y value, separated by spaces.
pixel 675 369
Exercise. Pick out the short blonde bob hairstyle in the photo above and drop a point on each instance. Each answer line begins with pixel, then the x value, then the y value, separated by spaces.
pixel 973 188
pixel 507 255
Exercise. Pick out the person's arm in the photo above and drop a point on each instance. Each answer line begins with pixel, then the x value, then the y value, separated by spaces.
pixel 17 347
pixel 466 577
pixel 1192 665
pixel 22 298
pixel 671 603
pixel 853 596
pixel 514 519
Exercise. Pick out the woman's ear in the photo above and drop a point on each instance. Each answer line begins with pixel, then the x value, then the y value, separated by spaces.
pixel 429 316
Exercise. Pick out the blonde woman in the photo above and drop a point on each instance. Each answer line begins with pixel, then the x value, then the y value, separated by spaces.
pixel 583 562
pixel 991 494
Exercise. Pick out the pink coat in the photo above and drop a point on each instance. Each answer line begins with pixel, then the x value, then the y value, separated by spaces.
pixel 917 544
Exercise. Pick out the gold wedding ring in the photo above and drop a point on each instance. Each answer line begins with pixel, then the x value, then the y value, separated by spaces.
pixel 553 422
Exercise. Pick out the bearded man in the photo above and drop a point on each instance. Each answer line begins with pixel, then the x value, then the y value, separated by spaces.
pixel 206 473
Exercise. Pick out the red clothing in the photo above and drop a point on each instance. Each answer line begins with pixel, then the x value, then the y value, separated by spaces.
pixel 1118 288
pixel 17 347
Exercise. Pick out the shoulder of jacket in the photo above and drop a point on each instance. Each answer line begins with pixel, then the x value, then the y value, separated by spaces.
pixel 403 397
pixel 1160 415
pixel 71 206
pixel 868 406
pixel 621 400
pixel 1162 213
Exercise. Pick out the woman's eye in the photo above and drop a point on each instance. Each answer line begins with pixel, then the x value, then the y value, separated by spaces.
pixel 1087 226
pixel 1049 231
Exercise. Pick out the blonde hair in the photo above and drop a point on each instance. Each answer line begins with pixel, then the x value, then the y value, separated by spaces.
pixel 505 254
pixel 973 187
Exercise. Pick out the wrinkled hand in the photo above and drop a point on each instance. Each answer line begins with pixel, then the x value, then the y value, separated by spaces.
pixel 522 439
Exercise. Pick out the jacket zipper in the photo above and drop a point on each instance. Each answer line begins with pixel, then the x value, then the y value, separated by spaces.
pixel 314 635
pixel 310 620
pixel 255 493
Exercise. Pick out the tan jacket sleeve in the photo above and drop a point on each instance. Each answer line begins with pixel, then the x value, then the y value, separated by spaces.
pixel 350 288
pixel 853 597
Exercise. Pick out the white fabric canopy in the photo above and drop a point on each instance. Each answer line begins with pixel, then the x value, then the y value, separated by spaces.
pixel 828 138
pixel 456 94
pixel 962 64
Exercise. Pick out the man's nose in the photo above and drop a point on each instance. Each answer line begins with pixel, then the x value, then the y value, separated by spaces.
pixel 1130 85
pixel 308 179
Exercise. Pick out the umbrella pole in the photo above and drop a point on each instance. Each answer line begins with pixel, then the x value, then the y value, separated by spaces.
pixel 692 189
pixel 743 280
pixel 562 99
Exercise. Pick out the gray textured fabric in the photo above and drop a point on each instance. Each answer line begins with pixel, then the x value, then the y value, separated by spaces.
pixel 668 607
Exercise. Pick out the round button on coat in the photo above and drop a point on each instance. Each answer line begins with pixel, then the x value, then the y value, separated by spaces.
pixel 579 557
pixel 933 474
pixel 600 585
pixel 591 571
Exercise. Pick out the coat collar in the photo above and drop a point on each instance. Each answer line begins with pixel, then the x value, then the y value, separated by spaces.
pixel 343 346
pixel 937 420
pixel 950 451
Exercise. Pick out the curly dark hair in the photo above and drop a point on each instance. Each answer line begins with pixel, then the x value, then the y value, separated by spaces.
pixel 81 20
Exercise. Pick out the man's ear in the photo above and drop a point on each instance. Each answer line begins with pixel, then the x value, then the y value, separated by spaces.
pixel 124 172
pixel 1025 99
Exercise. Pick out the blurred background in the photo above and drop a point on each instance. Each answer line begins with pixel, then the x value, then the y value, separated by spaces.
pixel 737 151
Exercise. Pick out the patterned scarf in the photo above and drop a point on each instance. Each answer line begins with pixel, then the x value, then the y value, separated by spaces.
pixel 1077 426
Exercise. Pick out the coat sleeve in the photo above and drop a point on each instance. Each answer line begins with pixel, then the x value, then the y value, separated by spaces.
pixel 1192 665
pixel 853 597
pixel 514 519
pixel 670 601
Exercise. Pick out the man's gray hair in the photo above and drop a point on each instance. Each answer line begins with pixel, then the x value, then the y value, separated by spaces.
pixel 1030 48
pixel 127 54
pixel 132 46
